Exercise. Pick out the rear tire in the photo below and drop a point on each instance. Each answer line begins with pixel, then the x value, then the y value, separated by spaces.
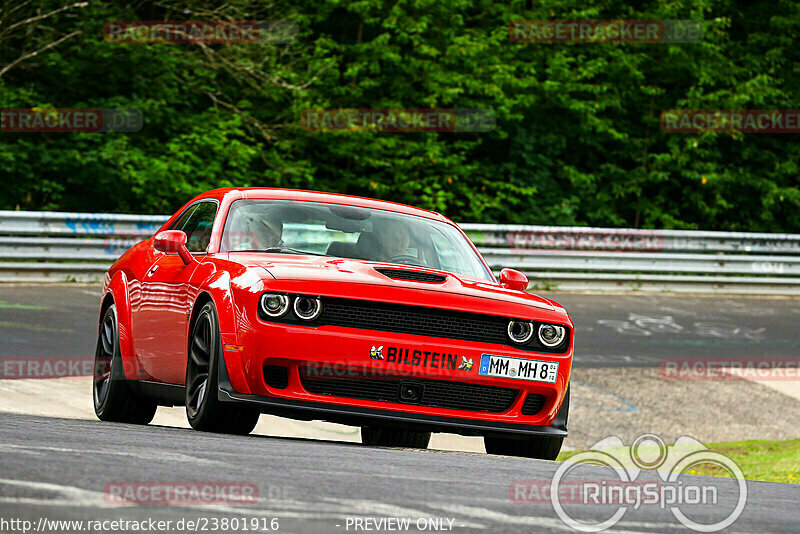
pixel 114 399
pixel 394 437
pixel 204 410
pixel 539 447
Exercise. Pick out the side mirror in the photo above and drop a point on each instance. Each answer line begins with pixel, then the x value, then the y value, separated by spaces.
pixel 172 241
pixel 513 279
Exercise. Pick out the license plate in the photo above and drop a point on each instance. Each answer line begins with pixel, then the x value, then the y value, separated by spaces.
pixel 519 368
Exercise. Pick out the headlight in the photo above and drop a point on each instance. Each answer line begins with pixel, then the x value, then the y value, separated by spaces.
pixel 307 308
pixel 551 335
pixel 520 331
pixel 274 305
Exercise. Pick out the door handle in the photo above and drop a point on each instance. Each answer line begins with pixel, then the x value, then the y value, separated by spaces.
pixel 152 271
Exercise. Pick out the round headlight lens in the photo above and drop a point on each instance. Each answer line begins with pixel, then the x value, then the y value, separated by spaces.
pixel 274 305
pixel 551 335
pixel 307 308
pixel 520 331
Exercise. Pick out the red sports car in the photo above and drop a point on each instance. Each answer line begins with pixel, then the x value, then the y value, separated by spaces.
pixel 323 306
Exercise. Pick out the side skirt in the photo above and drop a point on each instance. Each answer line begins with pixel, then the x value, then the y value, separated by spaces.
pixel 164 394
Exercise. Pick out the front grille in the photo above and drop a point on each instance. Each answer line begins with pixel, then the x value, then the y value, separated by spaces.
pixel 418 320
pixel 533 404
pixel 414 320
pixel 435 393
pixel 416 276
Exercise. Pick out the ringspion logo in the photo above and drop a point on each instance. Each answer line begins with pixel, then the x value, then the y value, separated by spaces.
pixel 703 504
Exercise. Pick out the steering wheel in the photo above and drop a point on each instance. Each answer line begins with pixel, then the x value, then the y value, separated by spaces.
pixel 405 259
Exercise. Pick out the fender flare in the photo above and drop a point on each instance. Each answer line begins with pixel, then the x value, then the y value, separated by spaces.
pixel 118 288
pixel 217 287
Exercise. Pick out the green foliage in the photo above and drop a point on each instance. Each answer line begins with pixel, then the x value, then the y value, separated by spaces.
pixel 577 140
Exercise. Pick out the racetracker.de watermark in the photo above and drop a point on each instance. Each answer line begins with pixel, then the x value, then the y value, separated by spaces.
pixel 582 239
pixel 64 120
pixel 406 363
pixel 782 121
pixel 398 120
pixel 31 367
pixel 23 367
pixel 199 31
pixel 723 369
pixel 605 31
pixel 180 493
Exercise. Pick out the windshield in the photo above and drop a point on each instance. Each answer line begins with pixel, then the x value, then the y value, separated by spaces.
pixel 348 232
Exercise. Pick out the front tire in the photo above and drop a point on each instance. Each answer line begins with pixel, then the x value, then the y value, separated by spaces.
pixel 394 437
pixel 203 409
pixel 114 400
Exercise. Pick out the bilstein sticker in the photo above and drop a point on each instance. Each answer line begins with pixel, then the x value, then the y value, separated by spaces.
pixel 423 358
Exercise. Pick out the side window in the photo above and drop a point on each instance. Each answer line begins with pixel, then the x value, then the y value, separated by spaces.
pixel 197 226
pixel 180 222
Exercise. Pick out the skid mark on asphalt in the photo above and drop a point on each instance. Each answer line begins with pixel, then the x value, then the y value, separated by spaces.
pixel 65 495
pixel 14 306
pixel 619 360
pixel 369 472
pixel 159 456
pixel 629 406
pixel 97 293
pixel 34 327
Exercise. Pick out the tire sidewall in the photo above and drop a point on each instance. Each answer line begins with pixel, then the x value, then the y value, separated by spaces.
pixel 209 402
pixel 113 384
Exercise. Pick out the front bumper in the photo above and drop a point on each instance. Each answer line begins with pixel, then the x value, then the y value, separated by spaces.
pixel 241 379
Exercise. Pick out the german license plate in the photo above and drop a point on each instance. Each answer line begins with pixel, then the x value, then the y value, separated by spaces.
pixel 519 368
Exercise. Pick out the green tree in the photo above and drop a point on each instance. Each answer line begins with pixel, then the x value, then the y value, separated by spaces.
pixel 577 140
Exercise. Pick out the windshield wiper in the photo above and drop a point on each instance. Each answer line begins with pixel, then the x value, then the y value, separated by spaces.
pixel 288 250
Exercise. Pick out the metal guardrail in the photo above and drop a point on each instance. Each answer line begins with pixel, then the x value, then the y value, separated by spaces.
pixel 39 246
pixel 627 240
pixel 48 223
pixel 611 259
pixel 57 247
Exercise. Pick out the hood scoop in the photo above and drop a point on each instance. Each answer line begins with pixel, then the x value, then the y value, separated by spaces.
pixel 414 276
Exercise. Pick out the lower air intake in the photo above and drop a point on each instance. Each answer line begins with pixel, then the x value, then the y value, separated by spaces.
pixel 533 404
pixel 389 388
pixel 276 376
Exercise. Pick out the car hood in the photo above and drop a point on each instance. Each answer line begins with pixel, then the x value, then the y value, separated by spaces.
pixel 292 273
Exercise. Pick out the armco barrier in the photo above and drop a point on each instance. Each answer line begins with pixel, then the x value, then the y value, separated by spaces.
pixel 57 247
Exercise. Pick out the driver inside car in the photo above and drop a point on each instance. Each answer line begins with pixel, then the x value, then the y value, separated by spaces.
pixel 388 239
pixel 254 231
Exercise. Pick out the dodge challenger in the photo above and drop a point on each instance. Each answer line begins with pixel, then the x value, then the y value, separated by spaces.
pixel 318 306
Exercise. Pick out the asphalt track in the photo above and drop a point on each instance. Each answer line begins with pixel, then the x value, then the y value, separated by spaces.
pixel 611 330
pixel 59 469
